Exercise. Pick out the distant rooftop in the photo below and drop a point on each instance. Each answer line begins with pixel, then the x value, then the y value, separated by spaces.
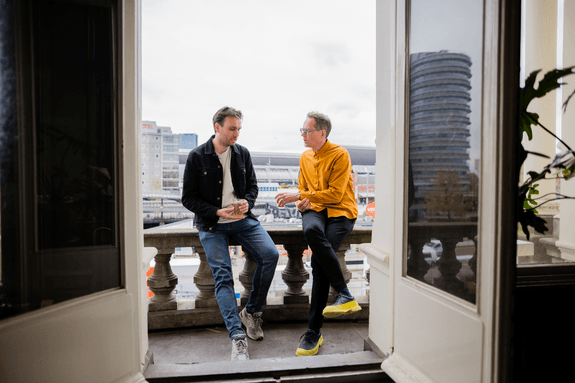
pixel 360 155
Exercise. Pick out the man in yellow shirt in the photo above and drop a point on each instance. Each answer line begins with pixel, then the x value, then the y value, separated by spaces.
pixel 327 202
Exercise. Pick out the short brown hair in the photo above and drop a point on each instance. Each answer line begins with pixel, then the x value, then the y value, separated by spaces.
pixel 224 112
pixel 321 122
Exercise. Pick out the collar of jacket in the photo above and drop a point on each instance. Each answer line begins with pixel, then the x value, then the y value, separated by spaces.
pixel 209 148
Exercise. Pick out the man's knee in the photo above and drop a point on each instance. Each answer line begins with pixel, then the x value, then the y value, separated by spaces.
pixel 274 255
pixel 313 232
pixel 270 255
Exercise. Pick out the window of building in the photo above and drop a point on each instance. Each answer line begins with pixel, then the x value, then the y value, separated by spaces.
pixel 170 184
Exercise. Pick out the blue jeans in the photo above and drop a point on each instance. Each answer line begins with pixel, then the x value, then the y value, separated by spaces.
pixel 252 236
pixel 324 236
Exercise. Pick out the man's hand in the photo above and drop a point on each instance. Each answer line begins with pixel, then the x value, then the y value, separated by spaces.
pixel 243 205
pixel 228 212
pixel 303 205
pixel 284 198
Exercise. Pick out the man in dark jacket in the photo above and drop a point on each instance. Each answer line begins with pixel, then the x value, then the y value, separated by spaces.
pixel 220 188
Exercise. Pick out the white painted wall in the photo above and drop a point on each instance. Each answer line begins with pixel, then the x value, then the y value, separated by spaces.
pixel 540 48
pixel 566 241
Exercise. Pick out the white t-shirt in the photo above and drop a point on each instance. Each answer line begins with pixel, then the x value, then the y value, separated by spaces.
pixel 228 196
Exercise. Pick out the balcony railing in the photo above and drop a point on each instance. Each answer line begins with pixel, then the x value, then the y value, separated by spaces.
pixel 163 307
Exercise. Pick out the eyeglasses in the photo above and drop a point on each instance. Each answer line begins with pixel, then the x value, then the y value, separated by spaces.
pixel 306 131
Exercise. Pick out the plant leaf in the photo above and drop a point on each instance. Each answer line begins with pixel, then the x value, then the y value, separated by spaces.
pixel 527 119
pixel 529 218
pixel 533 174
pixel 551 81
pixel 526 94
pixel 569 172
pixel 548 83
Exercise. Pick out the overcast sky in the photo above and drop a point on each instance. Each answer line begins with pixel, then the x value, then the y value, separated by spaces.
pixel 273 60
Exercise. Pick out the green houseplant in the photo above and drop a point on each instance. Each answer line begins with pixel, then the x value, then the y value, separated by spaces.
pixel 562 166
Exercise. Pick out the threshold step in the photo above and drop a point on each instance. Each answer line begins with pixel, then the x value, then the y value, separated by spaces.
pixel 364 366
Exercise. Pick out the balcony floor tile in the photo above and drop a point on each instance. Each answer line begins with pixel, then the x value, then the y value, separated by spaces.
pixel 212 344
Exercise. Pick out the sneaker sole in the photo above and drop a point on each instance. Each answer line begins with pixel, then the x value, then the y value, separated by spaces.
pixel 247 330
pixel 313 351
pixel 246 357
pixel 336 311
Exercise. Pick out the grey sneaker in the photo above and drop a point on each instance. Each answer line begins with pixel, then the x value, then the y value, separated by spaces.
pixel 240 347
pixel 253 324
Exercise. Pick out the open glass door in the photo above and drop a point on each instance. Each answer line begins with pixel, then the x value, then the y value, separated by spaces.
pixel 448 285
pixel 444 143
pixel 71 280
pixel 443 154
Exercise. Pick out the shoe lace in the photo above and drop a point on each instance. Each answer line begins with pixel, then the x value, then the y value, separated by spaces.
pixel 258 320
pixel 335 299
pixel 308 336
pixel 240 346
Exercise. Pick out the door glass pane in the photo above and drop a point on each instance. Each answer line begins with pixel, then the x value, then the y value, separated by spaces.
pixel 58 153
pixel 10 269
pixel 443 154
pixel 75 130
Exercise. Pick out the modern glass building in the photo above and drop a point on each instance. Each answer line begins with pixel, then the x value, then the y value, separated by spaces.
pixel 438 122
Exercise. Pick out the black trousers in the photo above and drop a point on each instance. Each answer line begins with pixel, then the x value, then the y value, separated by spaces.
pixel 324 236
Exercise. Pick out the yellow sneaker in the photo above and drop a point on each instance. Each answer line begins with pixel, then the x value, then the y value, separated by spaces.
pixel 342 305
pixel 310 342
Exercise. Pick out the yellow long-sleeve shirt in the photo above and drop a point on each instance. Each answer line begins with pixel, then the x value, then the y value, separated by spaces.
pixel 325 179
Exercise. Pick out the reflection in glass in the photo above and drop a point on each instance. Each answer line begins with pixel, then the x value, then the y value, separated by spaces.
pixel 0 234
pixel 10 267
pixel 58 166
pixel 75 130
pixel 444 142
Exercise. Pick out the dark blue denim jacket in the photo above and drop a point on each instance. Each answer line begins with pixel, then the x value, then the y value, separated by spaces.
pixel 203 182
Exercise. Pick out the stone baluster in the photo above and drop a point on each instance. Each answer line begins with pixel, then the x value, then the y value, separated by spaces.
pixel 204 281
pixel 295 275
pixel 162 282
pixel 416 265
pixel 246 276
pixel 449 266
